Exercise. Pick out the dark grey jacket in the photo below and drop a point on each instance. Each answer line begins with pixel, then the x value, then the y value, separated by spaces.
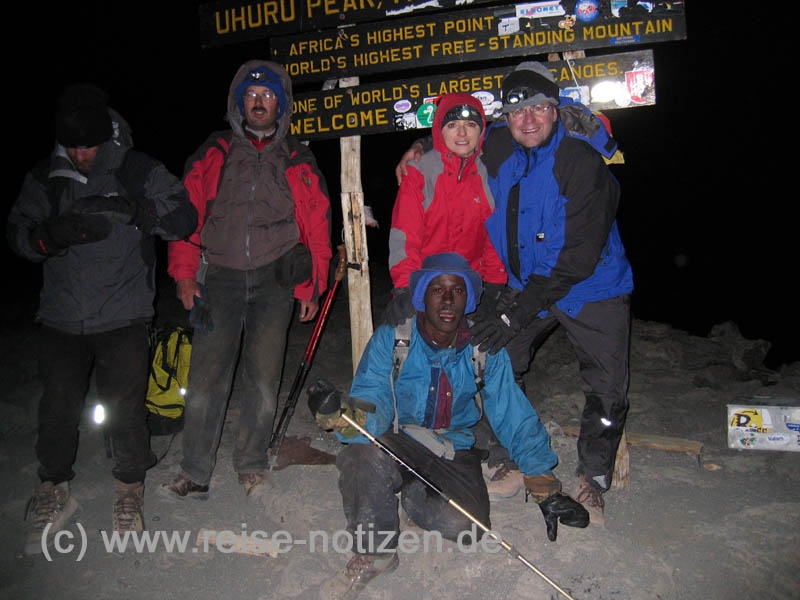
pixel 104 285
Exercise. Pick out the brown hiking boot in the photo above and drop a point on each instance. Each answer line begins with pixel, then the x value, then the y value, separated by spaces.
pixel 51 505
pixel 591 498
pixel 182 487
pixel 252 482
pixel 359 571
pixel 128 507
pixel 502 482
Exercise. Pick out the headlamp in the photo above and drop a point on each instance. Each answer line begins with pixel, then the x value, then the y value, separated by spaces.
pixel 518 95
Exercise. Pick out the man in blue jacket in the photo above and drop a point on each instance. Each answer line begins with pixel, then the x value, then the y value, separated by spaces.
pixel 555 228
pixel 425 415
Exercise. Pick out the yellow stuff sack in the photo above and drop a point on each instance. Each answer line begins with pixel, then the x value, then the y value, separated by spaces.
pixel 169 376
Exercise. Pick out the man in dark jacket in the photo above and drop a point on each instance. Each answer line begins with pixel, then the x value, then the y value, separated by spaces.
pixel 262 242
pixel 89 214
pixel 555 229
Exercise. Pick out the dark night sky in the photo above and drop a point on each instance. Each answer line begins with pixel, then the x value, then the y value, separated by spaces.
pixel 705 225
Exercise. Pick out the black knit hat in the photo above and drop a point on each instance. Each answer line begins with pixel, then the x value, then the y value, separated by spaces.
pixel 82 119
pixel 528 84
pixel 463 112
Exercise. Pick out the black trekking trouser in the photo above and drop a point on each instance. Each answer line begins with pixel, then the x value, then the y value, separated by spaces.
pixel 600 337
pixel 121 360
pixel 369 479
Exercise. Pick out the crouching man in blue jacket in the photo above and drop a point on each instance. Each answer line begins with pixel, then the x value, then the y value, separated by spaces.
pixel 423 412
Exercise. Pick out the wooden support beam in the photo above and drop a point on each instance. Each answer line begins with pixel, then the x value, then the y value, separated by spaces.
pixel 239 543
pixel 646 440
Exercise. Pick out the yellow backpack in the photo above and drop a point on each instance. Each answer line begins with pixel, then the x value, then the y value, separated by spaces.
pixel 169 376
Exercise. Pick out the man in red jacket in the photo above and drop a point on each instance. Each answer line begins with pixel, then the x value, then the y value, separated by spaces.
pixel 262 242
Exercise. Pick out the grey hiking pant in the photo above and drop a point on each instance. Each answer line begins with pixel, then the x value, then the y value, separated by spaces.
pixel 251 316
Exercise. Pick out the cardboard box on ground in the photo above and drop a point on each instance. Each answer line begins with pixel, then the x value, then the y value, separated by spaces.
pixel 764 423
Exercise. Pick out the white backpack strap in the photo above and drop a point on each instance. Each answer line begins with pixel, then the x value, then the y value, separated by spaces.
pixel 402 342
pixel 479 366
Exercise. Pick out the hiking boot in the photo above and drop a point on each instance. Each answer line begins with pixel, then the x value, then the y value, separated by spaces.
pixel 502 482
pixel 182 487
pixel 252 482
pixel 128 507
pixel 359 571
pixel 51 505
pixel 591 498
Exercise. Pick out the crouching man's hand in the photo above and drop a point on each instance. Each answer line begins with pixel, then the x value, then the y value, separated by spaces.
pixel 554 504
pixel 325 403
pixel 336 422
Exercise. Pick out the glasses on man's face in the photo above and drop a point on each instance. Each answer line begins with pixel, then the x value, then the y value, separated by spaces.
pixel 537 110
pixel 266 95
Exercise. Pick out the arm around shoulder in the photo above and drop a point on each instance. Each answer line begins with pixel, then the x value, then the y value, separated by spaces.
pixel 415 152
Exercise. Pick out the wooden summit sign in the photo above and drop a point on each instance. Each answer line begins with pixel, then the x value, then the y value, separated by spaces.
pixel 232 21
pixel 600 82
pixel 464 36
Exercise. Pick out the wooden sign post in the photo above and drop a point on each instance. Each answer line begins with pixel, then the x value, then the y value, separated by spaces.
pixel 355 239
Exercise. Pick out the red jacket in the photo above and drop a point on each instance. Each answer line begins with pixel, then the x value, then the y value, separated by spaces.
pixel 247 250
pixel 441 206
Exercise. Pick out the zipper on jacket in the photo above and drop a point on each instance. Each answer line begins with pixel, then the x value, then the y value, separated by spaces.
pixel 512 221
pixel 251 209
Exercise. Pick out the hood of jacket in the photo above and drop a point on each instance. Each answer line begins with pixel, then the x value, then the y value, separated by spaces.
pixel 447 102
pixel 235 117
pixel 110 153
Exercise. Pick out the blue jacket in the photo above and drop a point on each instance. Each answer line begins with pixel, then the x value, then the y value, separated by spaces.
pixel 511 415
pixel 569 243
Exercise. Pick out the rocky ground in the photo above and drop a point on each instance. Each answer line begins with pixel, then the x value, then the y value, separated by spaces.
pixel 696 520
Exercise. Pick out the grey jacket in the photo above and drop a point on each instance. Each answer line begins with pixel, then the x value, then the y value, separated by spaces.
pixel 104 285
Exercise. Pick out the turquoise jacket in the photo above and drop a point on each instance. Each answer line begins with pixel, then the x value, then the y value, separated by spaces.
pixel 511 415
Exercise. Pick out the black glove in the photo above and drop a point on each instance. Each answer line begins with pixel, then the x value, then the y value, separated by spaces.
pixel 492 292
pixel 200 315
pixel 560 507
pixel 117 209
pixel 325 403
pixel 501 327
pixel 55 235
pixel 506 299
pixel 294 267
pixel 138 211
pixel 494 333
pixel 145 217
pixel 323 398
pixel 399 308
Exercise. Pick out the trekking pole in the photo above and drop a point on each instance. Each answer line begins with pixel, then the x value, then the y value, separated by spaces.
pixel 451 502
pixel 288 410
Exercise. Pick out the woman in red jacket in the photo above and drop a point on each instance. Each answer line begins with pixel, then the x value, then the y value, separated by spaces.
pixel 442 204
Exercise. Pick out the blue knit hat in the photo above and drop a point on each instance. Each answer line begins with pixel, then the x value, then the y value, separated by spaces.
pixel 261 76
pixel 445 263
